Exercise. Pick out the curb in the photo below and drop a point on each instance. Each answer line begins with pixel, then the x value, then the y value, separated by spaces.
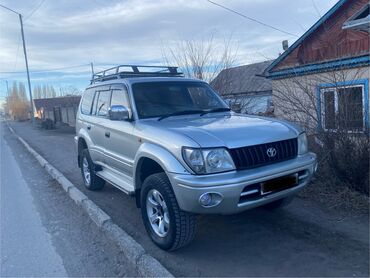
pixel 143 263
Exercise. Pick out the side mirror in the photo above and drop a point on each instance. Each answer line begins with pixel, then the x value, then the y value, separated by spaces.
pixel 118 113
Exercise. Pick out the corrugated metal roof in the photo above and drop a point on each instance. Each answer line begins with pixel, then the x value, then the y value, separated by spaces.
pixel 243 80
pixel 49 103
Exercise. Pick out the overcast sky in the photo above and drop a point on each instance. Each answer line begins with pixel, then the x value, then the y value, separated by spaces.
pixel 72 33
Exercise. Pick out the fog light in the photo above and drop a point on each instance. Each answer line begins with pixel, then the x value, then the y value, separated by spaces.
pixel 210 199
pixel 205 199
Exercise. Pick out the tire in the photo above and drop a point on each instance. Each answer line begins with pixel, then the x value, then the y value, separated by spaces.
pixel 180 227
pixel 278 203
pixel 93 182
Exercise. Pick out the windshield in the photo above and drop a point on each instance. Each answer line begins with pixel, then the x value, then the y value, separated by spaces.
pixel 159 99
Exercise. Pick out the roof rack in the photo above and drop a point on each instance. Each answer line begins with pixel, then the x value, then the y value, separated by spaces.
pixel 126 71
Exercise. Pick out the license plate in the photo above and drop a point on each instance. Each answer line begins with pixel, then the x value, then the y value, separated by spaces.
pixel 279 184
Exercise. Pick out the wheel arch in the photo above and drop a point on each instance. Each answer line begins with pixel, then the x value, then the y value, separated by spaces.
pixel 151 159
pixel 83 141
pixel 81 145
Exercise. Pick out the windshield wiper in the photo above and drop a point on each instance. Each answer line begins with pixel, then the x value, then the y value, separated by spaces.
pixel 184 112
pixel 220 109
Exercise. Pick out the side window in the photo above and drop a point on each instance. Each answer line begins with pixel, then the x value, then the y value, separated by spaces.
pixel 87 102
pixel 93 109
pixel 120 97
pixel 103 103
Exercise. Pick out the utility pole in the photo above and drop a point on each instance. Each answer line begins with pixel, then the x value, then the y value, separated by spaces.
pixel 28 73
pixel 25 57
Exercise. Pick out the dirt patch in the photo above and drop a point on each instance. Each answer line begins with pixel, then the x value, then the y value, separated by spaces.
pixel 338 197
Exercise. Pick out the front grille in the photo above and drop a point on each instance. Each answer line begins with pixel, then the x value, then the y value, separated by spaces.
pixel 256 156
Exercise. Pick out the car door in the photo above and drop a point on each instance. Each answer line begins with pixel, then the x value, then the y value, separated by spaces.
pixel 97 126
pixel 120 147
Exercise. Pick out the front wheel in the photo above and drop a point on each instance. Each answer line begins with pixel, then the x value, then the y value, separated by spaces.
pixel 168 226
pixel 91 180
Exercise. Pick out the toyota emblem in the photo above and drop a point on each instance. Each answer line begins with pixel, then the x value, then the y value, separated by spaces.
pixel 271 152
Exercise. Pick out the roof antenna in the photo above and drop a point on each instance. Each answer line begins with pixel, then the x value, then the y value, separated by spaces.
pixel 92 70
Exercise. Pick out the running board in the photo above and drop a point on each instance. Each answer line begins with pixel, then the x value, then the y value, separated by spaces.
pixel 121 181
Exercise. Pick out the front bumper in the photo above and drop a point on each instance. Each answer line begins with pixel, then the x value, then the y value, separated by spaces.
pixel 238 188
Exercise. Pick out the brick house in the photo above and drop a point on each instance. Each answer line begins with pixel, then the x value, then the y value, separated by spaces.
pixel 322 80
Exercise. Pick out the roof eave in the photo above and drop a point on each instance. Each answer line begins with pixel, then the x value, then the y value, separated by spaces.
pixel 321 67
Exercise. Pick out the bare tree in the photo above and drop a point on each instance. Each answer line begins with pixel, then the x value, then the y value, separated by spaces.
pixel 69 91
pixel 48 91
pixel 44 91
pixel 203 59
pixel 17 104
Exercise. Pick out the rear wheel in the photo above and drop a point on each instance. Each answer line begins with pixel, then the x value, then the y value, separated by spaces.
pixel 167 225
pixel 91 180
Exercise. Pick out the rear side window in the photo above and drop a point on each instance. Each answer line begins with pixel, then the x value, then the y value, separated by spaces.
pixel 103 103
pixel 87 100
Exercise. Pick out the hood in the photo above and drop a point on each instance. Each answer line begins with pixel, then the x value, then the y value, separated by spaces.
pixel 229 130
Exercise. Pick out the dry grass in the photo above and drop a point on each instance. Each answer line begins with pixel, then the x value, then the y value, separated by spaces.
pixel 342 182
pixel 337 197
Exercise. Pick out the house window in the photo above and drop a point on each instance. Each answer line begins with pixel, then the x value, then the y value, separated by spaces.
pixel 343 108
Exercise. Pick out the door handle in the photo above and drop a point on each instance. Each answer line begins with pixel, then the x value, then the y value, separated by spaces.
pixel 88 127
pixel 107 134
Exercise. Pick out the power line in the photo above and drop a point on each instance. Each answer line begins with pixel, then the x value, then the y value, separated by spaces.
pixel 43 71
pixel 252 19
pixel 9 9
pixel 34 10
pixel 316 9
pixel 16 57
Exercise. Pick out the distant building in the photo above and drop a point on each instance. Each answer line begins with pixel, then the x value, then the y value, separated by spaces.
pixel 58 109
pixel 322 80
pixel 245 88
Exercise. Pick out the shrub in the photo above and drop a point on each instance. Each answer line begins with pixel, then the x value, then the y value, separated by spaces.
pixel 344 158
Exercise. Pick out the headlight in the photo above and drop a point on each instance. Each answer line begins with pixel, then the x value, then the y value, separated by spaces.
pixel 207 161
pixel 302 143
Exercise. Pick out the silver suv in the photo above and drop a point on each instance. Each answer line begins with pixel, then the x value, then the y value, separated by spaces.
pixel 173 144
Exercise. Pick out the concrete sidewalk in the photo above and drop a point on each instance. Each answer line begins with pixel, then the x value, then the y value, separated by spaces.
pixel 43 232
pixel 253 243
pixel 26 247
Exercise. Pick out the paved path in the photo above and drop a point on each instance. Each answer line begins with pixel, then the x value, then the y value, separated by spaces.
pixel 26 246
pixel 43 233
pixel 299 240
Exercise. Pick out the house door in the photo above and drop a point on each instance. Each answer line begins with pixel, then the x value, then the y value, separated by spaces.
pixel 57 115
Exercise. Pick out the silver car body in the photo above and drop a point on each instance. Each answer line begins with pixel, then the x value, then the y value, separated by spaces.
pixel 162 142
